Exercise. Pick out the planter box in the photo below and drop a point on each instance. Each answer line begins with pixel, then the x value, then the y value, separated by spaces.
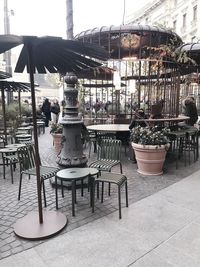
pixel 57 142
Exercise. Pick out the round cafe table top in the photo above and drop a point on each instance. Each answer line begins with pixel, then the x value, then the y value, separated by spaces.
pixel 125 127
pixel 8 150
pixel 92 171
pixel 175 119
pixel 73 173
pixel 15 145
pixel 109 127
pixel 23 135
pixel 25 128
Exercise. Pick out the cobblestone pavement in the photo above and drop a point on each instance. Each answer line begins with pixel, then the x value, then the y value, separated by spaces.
pixel 11 209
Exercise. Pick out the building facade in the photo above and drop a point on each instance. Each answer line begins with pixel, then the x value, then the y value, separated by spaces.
pixel 182 16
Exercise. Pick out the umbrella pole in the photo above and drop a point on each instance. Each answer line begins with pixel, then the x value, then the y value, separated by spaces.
pixel 50 222
pixel 4 114
pixel 37 156
pixel 20 108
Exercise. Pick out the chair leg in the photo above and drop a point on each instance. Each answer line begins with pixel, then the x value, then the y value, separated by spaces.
pixel 119 199
pixel 109 187
pixel 82 187
pixel 56 191
pixel 11 171
pixel 20 185
pixel 97 190
pixel 44 193
pixel 120 167
pixel 73 197
pixel 92 193
pixel 4 169
pixel 126 192
pixel 90 146
pixel 102 189
pixel 62 188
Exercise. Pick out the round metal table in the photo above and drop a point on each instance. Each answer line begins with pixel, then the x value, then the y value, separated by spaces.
pixel 109 127
pixel 72 175
pixel 14 145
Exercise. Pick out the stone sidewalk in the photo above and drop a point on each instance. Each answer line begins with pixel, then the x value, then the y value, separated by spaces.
pixel 157 231
pixel 11 209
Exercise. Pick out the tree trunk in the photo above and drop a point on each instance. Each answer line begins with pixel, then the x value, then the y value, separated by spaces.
pixel 69 19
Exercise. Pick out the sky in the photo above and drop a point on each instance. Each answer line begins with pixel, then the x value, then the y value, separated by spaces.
pixel 48 17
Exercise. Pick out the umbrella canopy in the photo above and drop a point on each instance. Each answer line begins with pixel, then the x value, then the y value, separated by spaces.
pixel 11 86
pixel 4 75
pixel 52 54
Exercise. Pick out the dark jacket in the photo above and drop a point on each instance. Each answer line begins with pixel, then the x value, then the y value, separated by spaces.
pixel 191 111
pixel 55 108
pixel 137 116
pixel 46 109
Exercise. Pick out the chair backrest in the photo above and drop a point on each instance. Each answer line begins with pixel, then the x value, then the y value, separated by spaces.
pixel 2 141
pixel 26 155
pixel 109 149
pixel 101 136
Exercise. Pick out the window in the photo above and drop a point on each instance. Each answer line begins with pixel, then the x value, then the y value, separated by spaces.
pixel 194 13
pixel 184 20
pixel 146 20
pixel 174 25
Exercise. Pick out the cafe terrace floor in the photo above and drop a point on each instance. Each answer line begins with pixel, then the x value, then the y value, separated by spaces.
pixel 139 187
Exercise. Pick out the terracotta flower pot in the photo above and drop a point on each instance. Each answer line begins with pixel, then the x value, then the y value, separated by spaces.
pixel 150 159
pixel 57 140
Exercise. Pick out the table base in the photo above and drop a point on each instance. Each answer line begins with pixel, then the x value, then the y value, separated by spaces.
pixel 29 227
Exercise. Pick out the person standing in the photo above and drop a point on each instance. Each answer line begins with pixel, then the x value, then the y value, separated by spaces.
pixel 55 110
pixel 46 109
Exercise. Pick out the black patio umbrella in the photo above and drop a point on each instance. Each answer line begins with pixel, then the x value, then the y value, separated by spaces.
pixel 11 86
pixel 52 54
pixel 4 75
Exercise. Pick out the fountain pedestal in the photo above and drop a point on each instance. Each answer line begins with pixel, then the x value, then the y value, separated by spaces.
pixel 71 154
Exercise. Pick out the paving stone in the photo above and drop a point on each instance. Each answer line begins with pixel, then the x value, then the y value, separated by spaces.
pixel 17 249
pixel 6 254
pixel 15 243
pixel 5 248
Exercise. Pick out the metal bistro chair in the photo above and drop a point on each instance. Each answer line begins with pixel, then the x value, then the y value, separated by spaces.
pixel 26 157
pixel 2 141
pixel 108 156
pixel 9 158
pixel 191 144
pixel 111 178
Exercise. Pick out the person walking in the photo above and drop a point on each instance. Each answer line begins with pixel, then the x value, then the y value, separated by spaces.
pixel 55 110
pixel 46 109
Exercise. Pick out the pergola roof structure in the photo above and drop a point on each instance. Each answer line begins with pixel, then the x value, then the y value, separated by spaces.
pixel 129 40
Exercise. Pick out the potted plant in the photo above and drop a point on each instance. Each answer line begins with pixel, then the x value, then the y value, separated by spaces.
pixel 56 131
pixel 150 146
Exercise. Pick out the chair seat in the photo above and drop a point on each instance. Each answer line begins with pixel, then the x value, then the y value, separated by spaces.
pixel 104 164
pixel 13 158
pixel 45 171
pixel 114 178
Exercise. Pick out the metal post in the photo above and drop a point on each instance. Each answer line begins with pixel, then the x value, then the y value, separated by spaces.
pixel 7 55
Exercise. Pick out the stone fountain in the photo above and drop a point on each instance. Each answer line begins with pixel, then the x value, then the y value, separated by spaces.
pixel 71 154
